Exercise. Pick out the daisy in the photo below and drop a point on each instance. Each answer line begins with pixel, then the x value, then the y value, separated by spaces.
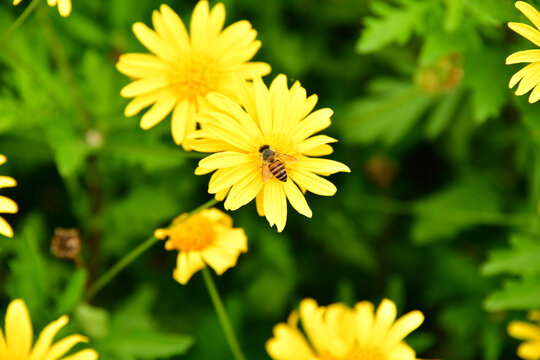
pixel 528 77
pixel 530 349
pixel 64 6
pixel 204 238
pixel 17 342
pixel 337 332
pixel 6 204
pixel 183 68
pixel 276 124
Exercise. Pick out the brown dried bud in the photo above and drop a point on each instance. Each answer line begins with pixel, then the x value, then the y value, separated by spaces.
pixel 442 76
pixel 380 170
pixel 66 243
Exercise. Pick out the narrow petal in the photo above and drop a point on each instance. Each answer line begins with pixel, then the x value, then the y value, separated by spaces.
pixel 237 34
pixel 270 201
pixel 158 111
pixel 60 348
pixel 535 94
pixel 141 101
pixel 364 321
pixel 188 263
pixel 528 82
pixel 226 105
pixel 524 56
pixel 313 142
pixel 88 354
pixel 530 12
pixel 403 327
pixel 279 103
pixel 262 103
pixel 322 166
pixel 321 150
pixel 244 191
pixel 259 201
pixel 19 334
pixel 179 118
pixel 216 22
pixel 7 205
pixel 288 343
pixel 313 123
pixel 16 2
pixel 3 159
pixel 526 31
pixel 5 228
pixel 177 28
pixel 6 181
pixel 4 354
pixel 46 338
pixel 297 199
pixel 64 7
pixel 523 330
pixel 402 352
pixel 313 183
pixel 225 178
pixel 144 86
pixel 199 25
pixel 225 159
pixel 384 318
pixel 142 65
pixel 153 42
pixel 526 71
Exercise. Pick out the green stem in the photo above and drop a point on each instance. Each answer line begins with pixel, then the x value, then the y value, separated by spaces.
pixel 222 315
pixel 19 20
pixel 128 259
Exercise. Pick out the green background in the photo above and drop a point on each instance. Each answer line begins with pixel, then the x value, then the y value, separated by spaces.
pixel 438 214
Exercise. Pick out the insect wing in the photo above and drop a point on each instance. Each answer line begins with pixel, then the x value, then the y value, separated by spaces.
pixel 287 158
pixel 266 174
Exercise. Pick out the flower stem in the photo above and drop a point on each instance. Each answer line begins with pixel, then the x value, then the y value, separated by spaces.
pixel 128 259
pixel 19 20
pixel 222 315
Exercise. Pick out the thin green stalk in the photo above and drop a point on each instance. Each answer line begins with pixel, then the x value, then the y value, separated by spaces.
pixel 130 257
pixel 222 315
pixel 25 14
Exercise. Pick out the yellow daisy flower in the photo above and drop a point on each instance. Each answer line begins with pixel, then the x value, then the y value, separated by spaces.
pixel 530 349
pixel 6 204
pixel 273 124
pixel 64 6
pixel 204 238
pixel 184 68
pixel 529 76
pixel 337 332
pixel 17 343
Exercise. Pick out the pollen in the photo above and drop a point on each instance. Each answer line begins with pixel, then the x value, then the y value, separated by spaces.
pixel 195 76
pixel 194 234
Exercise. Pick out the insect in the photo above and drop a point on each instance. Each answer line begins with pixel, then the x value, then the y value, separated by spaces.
pixel 274 164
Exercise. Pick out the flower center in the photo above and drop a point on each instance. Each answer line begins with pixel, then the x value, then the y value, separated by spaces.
pixel 194 234
pixel 196 75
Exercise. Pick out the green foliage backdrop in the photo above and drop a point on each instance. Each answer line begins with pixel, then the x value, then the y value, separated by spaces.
pixel 439 213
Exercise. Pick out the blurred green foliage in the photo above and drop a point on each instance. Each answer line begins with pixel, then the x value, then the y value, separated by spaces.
pixel 440 212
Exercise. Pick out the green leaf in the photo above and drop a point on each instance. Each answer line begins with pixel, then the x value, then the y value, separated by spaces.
pixel 73 292
pixel 387 115
pixel 515 295
pixel 393 24
pixel 454 209
pixel 94 321
pixel 520 259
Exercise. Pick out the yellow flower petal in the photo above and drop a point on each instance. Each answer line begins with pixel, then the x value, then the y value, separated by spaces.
pixel 87 354
pixel 530 12
pixel 6 181
pixel 64 7
pixel 384 318
pixel 177 28
pixel 526 31
pixel 524 56
pixel 364 322
pixel 322 166
pixel 5 228
pixel 144 86
pixel 529 350
pixel 7 205
pixel 63 346
pixel 220 259
pixel 403 327
pixel 262 104
pixel 313 183
pixel 4 354
pixel 224 159
pixel 523 330
pixel 19 334
pixel 289 344
pixel 158 111
pixel 296 198
pixel 141 65
pixel 3 159
pixel 154 43
pixel 225 178
pixel 46 338
pixel 314 142
pixel 199 25
pixel 188 263
pixel 243 191
pixel 313 123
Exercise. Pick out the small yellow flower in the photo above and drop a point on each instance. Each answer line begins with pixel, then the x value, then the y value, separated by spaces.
pixel 337 332
pixel 64 6
pixel 280 119
pixel 529 76
pixel 17 343
pixel 184 68
pixel 204 238
pixel 6 204
pixel 530 349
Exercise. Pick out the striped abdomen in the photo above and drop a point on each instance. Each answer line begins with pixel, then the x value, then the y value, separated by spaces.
pixel 278 170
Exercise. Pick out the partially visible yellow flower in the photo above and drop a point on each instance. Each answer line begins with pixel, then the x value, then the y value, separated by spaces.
pixel 64 6
pixel 529 76
pixel 6 204
pixel 204 238
pixel 337 332
pixel 530 349
pixel 17 343
pixel 280 119
pixel 184 68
